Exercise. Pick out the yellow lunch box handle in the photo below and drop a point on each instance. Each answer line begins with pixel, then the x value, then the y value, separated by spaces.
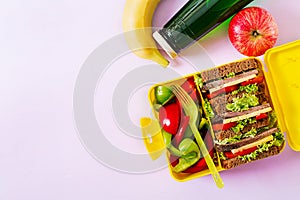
pixel 152 136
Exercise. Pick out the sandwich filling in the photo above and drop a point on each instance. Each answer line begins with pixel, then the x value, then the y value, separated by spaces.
pixel 251 152
pixel 238 105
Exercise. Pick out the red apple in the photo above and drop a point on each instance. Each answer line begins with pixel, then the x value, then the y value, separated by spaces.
pixel 252 31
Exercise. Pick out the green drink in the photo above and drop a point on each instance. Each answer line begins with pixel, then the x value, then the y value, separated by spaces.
pixel 194 20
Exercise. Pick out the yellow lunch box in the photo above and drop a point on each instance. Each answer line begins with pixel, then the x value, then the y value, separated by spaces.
pixel 282 79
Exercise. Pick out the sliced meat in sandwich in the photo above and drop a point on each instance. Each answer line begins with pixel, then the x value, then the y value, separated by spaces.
pixel 238 104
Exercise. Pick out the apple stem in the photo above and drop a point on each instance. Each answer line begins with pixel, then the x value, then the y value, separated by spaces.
pixel 255 33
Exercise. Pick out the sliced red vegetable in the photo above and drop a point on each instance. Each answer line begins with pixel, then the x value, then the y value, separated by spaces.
pixel 194 96
pixel 229 154
pixel 208 140
pixel 173 160
pixel 258 79
pixel 219 127
pixel 189 85
pixel 222 91
pixel 261 116
pixel 182 128
pixel 200 165
pixel 169 117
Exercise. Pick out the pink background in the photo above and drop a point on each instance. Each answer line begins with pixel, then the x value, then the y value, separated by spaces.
pixel 42 46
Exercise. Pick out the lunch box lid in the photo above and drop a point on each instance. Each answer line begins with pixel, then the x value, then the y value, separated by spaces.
pixel 282 73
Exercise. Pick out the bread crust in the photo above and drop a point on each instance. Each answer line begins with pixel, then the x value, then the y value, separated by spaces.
pixel 221 135
pixel 219 103
pixel 241 113
pixel 243 142
pixel 234 162
pixel 226 69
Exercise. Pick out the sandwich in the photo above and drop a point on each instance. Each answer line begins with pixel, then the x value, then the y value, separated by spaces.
pixel 241 114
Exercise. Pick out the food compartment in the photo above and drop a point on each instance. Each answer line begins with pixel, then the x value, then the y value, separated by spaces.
pixel 240 111
pixel 236 119
pixel 183 153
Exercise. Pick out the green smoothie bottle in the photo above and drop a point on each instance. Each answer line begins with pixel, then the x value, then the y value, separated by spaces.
pixel 194 20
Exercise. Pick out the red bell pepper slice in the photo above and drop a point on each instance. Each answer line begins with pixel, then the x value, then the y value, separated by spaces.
pixel 208 140
pixel 219 127
pixel 189 85
pixel 173 160
pixel 182 128
pixel 229 154
pixel 261 116
pixel 223 90
pixel 194 96
pixel 258 79
pixel 169 117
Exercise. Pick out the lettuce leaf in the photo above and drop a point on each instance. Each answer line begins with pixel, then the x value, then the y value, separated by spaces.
pixel 241 124
pixel 252 133
pixel 222 156
pixel 251 88
pixel 272 119
pixel 277 141
pixel 198 81
pixel 230 75
pixel 209 110
pixel 243 103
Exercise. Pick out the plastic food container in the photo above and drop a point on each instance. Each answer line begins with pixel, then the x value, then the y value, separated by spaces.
pixel 281 82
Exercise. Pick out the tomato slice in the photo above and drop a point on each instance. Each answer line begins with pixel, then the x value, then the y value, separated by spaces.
pixel 189 85
pixel 220 127
pixel 258 79
pixel 261 116
pixel 229 154
pixel 223 90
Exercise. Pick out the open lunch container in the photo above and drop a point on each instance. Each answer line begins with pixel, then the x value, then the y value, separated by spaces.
pixel 282 88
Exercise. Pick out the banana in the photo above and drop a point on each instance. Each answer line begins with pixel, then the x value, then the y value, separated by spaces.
pixel 137 25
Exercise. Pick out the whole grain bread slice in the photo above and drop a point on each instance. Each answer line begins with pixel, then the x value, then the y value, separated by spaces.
pixel 221 135
pixel 237 161
pixel 236 78
pixel 219 103
pixel 245 141
pixel 251 110
pixel 226 69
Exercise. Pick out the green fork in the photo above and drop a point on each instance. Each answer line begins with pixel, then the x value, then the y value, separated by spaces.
pixel 191 110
